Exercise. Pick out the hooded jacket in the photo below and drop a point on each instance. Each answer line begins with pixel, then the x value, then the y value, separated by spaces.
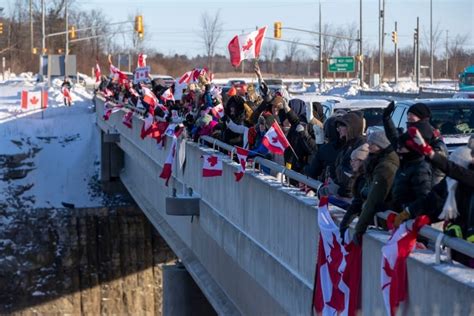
pixel 355 127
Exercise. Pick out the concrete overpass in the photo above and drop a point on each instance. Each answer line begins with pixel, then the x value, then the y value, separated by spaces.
pixel 251 246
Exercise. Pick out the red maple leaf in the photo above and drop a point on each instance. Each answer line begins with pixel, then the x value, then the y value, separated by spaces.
pixel 34 100
pixel 336 255
pixel 275 140
pixel 212 160
pixel 248 45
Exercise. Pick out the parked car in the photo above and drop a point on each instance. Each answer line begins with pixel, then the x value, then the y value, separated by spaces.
pixel 236 83
pixel 168 80
pixel 372 109
pixel 454 118
pixel 464 95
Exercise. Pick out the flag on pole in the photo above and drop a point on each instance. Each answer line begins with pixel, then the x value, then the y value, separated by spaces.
pixel 275 140
pixel 97 72
pixel 242 155
pixel 168 166
pixel 338 269
pixel 394 278
pixel 141 60
pixel 218 111
pixel 167 95
pixel 246 46
pixel 116 73
pixel 109 109
pixel 212 166
pixel 31 100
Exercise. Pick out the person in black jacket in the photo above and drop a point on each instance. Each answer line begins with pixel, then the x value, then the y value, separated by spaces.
pixel 350 128
pixel 322 165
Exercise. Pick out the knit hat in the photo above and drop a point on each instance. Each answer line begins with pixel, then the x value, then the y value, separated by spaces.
pixel 420 110
pixel 361 152
pixel 266 119
pixel 378 138
pixel 232 91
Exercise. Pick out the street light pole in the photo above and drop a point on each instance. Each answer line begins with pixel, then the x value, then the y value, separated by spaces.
pixel 320 48
pixel 43 30
pixel 31 27
pixel 431 42
pixel 396 53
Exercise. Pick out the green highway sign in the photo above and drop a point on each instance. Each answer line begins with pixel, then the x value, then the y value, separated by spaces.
pixel 341 64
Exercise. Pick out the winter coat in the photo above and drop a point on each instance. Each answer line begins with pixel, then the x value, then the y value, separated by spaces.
pixel 303 144
pixel 324 160
pixel 355 126
pixel 412 183
pixel 452 170
pixel 380 173
pixel 357 201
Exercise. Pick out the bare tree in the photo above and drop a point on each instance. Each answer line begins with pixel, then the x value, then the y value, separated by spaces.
pixel 270 52
pixel 292 52
pixel 437 39
pixel 346 46
pixel 211 32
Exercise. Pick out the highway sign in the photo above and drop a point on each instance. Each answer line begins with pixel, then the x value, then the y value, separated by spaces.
pixel 341 64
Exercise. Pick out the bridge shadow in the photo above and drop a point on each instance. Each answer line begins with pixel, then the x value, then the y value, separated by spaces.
pixel 93 261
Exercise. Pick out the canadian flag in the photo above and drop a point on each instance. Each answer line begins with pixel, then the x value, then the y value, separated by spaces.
pixel 212 166
pixel 338 269
pixel 141 60
pixel 147 126
pixel 168 166
pixel 66 94
pixel 127 119
pixel 186 77
pixel 218 111
pixel 394 276
pixel 109 109
pixel 246 46
pixel 167 95
pixel 31 100
pixel 275 140
pixel 97 72
pixel 122 78
pixel 150 99
pixel 242 155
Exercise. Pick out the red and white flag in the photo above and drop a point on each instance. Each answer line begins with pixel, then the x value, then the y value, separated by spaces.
pixel 97 72
pixel 168 166
pixel 116 73
pixel 66 94
pixel 141 60
pixel 212 166
pixel 242 155
pixel 109 109
pixel 31 100
pixel 394 276
pixel 275 140
pixel 246 46
pixel 127 119
pixel 186 77
pixel 167 95
pixel 338 269
pixel 150 98
pixel 218 111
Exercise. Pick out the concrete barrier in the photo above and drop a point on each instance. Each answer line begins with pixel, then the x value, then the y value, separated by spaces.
pixel 252 250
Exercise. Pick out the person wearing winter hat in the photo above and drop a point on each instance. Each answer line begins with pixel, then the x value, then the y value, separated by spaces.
pixel 418 112
pixel 380 169
pixel 451 200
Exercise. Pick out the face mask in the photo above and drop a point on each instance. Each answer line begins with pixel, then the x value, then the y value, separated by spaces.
pixel 409 156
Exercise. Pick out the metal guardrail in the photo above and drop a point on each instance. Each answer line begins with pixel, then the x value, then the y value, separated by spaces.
pixel 438 237
pixel 424 93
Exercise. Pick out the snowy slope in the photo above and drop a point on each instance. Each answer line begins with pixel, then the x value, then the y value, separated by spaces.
pixel 50 157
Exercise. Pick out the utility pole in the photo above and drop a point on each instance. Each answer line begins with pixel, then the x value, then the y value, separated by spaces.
pixel 431 42
pixel 447 54
pixel 383 41
pixel 31 27
pixel 66 52
pixel 361 62
pixel 418 66
pixel 396 52
pixel 43 29
pixel 320 48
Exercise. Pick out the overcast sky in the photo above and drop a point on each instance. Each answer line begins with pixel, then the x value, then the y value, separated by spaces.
pixel 173 26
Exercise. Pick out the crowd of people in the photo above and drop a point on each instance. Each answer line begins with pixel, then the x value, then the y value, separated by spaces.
pixel 409 172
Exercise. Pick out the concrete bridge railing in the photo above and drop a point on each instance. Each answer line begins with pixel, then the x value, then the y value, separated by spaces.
pixel 252 249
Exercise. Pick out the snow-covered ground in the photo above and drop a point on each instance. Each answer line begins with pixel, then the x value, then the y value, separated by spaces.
pixel 51 156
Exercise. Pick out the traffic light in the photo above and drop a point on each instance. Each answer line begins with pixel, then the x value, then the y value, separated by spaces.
pixel 277 30
pixel 394 37
pixel 139 26
pixel 359 58
pixel 72 32
pixel 1 27
pixel 34 51
pixel 415 36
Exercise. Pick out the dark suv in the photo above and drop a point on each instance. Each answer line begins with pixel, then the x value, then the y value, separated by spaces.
pixel 454 118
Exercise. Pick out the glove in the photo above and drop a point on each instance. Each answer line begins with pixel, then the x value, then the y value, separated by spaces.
pixel 387 112
pixel 400 218
pixel 299 128
pixel 417 143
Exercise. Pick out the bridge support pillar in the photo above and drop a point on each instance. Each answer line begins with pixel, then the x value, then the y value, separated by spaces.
pixel 111 162
pixel 181 295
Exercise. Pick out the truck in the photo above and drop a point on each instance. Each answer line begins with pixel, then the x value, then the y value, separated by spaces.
pixel 466 79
